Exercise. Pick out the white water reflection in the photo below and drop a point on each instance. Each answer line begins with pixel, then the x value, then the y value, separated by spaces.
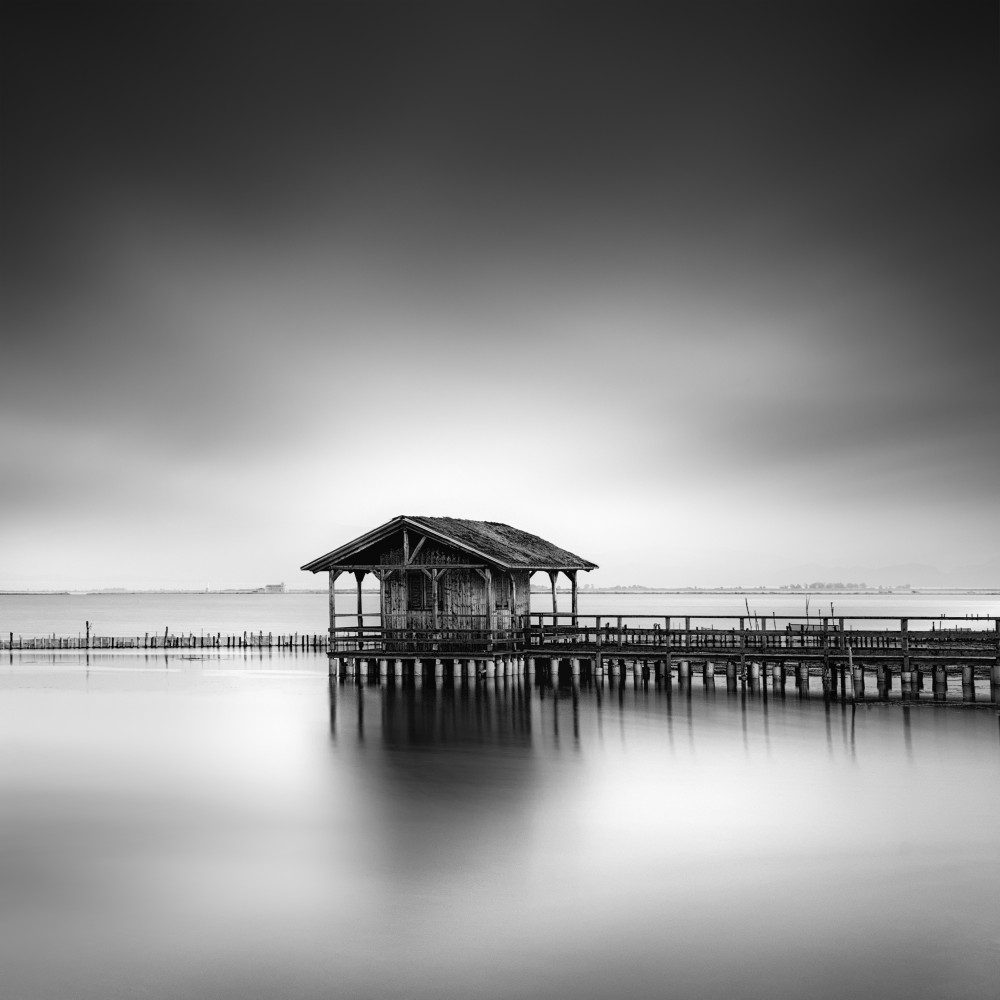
pixel 219 828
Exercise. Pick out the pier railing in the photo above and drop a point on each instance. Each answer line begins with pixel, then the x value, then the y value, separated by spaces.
pixel 770 637
pixel 873 639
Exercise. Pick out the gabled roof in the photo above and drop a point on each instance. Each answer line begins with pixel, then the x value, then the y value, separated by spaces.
pixel 491 542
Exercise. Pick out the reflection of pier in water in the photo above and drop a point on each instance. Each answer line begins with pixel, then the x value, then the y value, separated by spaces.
pixel 455 716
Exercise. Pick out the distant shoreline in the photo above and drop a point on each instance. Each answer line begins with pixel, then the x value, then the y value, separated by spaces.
pixel 634 591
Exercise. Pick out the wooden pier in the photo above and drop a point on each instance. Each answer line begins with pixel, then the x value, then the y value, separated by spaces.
pixel 858 658
pixel 847 652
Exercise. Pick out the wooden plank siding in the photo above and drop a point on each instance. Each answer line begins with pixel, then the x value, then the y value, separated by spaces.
pixel 461 593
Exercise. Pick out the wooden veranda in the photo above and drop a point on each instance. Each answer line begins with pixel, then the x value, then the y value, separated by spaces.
pixel 445 584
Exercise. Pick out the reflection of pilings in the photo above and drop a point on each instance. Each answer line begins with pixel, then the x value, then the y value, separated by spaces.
pixel 332 696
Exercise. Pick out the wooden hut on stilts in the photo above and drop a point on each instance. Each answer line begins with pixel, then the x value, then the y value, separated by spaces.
pixel 447 586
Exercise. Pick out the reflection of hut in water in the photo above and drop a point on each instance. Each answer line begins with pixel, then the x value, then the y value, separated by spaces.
pixel 456 716
pixel 446 584
pixel 452 770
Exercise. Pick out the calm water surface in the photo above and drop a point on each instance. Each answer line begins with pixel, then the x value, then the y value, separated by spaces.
pixel 199 827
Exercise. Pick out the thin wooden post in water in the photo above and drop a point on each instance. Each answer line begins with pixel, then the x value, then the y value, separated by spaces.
pixel 743 648
pixel 906 674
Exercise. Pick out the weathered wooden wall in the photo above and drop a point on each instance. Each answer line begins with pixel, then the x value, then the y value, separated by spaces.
pixel 462 593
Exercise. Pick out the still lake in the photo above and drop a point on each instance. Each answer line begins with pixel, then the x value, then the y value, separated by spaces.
pixel 231 825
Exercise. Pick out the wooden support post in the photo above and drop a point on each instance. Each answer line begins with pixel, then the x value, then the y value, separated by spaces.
pixel 904 628
pixel 572 579
pixel 826 643
pixel 940 682
pixel 857 677
pixel 399 669
pixel 906 685
pixel 404 605
pixel 778 675
pixel 881 675
pixel 968 683
pixel 490 607
pixel 359 575
pixel 743 648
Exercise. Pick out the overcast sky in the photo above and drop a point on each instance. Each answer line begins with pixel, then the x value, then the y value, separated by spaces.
pixel 703 296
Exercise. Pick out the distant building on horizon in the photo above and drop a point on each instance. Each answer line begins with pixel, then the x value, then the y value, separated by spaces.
pixel 274 588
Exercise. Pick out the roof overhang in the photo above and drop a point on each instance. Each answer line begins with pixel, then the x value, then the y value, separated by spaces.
pixel 339 558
